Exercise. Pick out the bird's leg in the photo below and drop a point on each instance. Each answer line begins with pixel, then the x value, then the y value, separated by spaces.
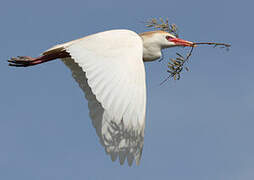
pixel 24 61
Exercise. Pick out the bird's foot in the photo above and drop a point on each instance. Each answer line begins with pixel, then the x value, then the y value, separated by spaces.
pixel 24 61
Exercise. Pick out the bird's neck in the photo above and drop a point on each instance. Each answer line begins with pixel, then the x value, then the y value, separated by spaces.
pixel 151 53
pixel 151 49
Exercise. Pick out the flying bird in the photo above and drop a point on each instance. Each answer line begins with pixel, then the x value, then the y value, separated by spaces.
pixel 109 68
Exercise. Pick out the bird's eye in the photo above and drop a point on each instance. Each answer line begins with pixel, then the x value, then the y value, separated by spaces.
pixel 169 38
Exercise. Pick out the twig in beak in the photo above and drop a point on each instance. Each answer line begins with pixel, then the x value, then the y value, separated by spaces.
pixel 177 65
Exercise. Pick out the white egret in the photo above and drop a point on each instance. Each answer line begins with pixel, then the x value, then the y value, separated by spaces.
pixel 109 68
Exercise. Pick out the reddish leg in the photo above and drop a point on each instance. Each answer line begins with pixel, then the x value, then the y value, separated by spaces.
pixel 24 61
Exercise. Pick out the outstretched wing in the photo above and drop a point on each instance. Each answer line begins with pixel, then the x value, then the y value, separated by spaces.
pixel 109 68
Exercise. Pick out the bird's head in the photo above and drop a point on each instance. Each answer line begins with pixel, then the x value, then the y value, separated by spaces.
pixel 155 41
pixel 164 39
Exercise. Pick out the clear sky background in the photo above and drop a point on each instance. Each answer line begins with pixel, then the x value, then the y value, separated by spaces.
pixel 198 128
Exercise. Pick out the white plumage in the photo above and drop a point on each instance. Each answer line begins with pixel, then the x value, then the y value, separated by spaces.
pixel 109 68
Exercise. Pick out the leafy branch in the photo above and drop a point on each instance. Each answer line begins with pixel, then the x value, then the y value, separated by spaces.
pixel 177 65
pixel 163 25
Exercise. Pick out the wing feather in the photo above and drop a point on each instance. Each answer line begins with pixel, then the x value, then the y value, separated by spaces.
pixel 109 68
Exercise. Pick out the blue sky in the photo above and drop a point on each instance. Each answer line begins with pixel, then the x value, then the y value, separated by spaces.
pixel 198 128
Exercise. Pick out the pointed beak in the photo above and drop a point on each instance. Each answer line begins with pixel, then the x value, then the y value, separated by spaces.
pixel 181 42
